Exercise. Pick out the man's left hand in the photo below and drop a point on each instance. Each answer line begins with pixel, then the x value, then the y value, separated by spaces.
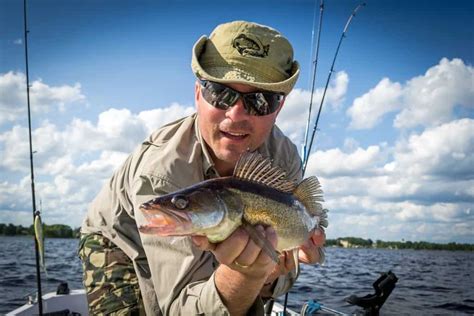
pixel 308 252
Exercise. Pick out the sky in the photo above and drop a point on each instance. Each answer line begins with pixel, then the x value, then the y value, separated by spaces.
pixel 394 149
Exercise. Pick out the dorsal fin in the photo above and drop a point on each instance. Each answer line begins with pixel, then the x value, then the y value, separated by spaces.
pixel 310 194
pixel 254 167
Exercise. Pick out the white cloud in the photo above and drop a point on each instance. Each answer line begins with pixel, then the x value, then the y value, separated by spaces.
pixel 423 181
pixel 336 163
pixel 367 110
pixel 159 117
pixel 443 151
pixel 18 41
pixel 426 100
pixel 430 99
pixel 294 114
pixel 43 98
pixel 71 164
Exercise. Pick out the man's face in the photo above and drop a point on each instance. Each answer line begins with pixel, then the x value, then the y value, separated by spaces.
pixel 229 133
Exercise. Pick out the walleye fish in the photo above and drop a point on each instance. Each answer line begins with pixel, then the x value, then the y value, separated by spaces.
pixel 257 193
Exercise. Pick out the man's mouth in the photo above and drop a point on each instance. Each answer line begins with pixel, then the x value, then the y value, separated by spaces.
pixel 234 135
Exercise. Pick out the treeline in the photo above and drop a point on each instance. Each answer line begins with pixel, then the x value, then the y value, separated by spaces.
pixel 65 231
pixel 356 242
pixel 50 231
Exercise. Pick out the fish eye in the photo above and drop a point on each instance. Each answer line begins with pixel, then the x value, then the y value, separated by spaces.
pixel 180 201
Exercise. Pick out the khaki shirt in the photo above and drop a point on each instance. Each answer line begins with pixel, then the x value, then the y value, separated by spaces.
pixel 175 277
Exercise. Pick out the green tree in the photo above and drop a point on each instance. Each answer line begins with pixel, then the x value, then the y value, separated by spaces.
pixel 10 230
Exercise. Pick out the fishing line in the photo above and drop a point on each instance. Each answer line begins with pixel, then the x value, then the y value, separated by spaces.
pixel 314 65
pixel 343 35
pixel 307 150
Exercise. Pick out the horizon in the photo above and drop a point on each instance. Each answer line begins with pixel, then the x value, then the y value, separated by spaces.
pixel 394 150
pixel 328 239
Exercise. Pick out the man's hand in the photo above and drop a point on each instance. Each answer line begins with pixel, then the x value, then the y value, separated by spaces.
pixel 239 252
pixel 243 270
pixel 308 252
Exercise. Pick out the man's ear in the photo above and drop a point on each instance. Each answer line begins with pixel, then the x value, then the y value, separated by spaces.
pixel 197 92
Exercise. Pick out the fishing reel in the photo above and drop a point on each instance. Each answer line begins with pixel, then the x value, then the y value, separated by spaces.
pixel 372 303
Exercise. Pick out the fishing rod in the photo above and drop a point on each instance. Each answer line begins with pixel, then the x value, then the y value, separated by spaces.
pixel 35 213
pixel 343 35
pixel 314 64
pixel 307 150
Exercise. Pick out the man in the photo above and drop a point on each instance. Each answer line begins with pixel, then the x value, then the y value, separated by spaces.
pixel 244 71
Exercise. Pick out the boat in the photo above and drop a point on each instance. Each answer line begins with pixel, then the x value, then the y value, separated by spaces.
pixel 65 302
pixel 74 303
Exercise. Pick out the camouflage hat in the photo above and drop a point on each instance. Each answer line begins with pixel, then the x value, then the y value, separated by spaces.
pixel 248 53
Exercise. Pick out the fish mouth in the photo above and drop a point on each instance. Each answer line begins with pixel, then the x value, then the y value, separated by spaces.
pixel 165 222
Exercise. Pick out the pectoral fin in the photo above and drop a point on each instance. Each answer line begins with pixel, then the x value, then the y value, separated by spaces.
pixel 295 253
pixel 322 255
pixel 261 241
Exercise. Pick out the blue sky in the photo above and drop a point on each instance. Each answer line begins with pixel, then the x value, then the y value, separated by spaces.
pixel 394 152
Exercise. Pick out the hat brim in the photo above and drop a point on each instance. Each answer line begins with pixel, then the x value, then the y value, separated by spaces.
pixel 240 76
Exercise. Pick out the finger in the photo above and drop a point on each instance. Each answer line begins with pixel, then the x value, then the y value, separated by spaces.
pixel 271 235
pixel 308 252
pixel 203 243
pixel 318 238
pixel 306 256
pixel 228 250
pixel 289 262
pixel 251 251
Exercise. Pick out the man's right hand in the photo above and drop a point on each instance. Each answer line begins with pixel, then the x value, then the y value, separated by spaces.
pixel 244 267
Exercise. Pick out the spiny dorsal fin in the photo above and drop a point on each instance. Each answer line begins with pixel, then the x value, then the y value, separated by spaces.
pixel 310 194
pixel 254 167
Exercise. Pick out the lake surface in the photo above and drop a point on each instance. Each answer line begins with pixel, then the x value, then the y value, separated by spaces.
pixel 430 282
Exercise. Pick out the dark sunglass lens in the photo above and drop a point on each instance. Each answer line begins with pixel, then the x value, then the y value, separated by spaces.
pixel 211 92
pixel 228 98
pixel 256 103
pixel 219 95
pixel 262 103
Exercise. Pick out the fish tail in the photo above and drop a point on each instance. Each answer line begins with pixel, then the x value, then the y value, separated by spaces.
pixel 309 192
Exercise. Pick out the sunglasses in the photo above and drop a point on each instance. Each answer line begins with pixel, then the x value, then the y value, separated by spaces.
pixel 255 103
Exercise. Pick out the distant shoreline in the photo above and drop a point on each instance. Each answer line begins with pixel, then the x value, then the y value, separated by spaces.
pixel 49 231
pixel 65 231
pixel 355 242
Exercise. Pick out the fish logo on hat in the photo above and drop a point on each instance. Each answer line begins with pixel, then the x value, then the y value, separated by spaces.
pixel 250 46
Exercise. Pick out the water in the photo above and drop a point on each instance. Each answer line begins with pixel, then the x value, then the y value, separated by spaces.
pixel 430 282
pixel 18 269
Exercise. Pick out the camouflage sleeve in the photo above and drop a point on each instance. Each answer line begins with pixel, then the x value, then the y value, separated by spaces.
pixel 109 278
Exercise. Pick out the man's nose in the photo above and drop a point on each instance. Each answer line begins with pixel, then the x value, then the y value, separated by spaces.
pixel 237 112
